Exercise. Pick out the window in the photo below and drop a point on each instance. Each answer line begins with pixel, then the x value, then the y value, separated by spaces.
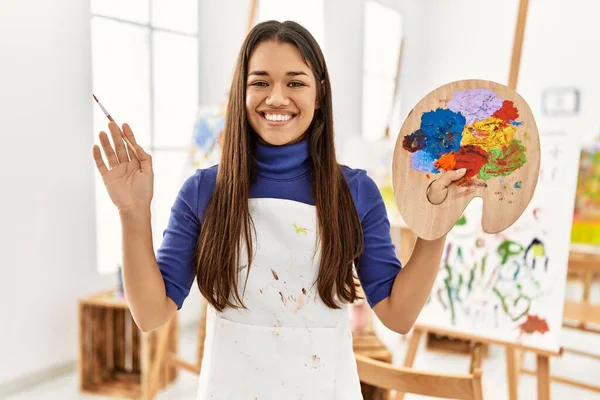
pixel 382 41
pixel 145 72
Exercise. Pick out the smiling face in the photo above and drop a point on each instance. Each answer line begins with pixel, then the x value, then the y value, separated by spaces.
pixel 281 93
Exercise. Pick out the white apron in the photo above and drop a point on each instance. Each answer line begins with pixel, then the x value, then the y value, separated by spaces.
pixel 287 345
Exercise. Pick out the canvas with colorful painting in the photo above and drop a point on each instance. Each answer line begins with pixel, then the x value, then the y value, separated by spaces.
pixel 586 218
pixel 207 136
pixel 507 286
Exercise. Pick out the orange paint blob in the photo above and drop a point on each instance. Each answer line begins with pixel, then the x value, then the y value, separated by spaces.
pixel 446 162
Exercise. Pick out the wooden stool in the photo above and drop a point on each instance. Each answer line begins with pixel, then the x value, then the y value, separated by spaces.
pixel 408 380
pixel 115 357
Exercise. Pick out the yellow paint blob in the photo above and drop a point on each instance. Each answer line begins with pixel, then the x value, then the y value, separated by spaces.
pixel 488 134
pixel 538 250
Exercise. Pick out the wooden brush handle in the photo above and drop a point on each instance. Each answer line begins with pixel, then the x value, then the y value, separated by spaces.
pixel 131 147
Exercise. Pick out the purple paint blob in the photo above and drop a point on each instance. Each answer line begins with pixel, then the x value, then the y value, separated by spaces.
pixel 475 104
pixel 423 161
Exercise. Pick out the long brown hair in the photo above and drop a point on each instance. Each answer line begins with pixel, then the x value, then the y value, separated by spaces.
pixel 227 216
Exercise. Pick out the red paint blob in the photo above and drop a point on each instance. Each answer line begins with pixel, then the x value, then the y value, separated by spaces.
pixel 508 112
pixel 470 157
pixel 534 324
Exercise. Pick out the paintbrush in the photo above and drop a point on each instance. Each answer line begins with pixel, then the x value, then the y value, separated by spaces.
pixel 130 146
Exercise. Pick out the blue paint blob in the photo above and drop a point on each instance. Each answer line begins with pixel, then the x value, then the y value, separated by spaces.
pixel 515 123
pixel 517 185
pixel 443 131
pixel 517 270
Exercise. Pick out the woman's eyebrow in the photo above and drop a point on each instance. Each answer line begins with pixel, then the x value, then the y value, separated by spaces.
pixel 296 73
pixel 289 73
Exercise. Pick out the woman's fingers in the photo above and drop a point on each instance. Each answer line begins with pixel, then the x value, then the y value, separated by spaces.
pixel 99 161
pixel 451 176
pixel 129 134
pixel 145 158
pixel 117 137
pixel 108 150
pixel 130 143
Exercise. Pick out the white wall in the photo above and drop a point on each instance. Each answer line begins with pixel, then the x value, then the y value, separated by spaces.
pixel 561 49
pixel 222 30
pixel 47 174
pixel 343 35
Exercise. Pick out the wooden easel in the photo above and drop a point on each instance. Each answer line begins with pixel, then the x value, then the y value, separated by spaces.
pixel 513 351
pixel 579 314
pixel 513 358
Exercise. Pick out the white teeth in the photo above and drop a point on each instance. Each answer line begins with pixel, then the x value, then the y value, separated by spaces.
pixel 278 117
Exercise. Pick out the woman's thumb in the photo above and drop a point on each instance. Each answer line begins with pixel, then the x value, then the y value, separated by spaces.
pixel 460 172
pixel 145 158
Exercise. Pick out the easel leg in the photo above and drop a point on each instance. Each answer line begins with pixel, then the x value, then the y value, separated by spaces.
pixel 543 377
pixel 413 345
pixel 145 360
pixel 512 372
pixel 588 278
pixel 201 335
pixel 411 353
pixel 475 357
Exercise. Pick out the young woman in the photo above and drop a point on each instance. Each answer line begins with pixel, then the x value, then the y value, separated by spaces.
pixel 273 235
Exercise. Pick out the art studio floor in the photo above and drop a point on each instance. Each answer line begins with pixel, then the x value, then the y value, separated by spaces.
pixel 494 371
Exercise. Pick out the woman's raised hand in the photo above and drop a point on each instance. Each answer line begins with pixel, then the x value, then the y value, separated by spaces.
pixel 129 182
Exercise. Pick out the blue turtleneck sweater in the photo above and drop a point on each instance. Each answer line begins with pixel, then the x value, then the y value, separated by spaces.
pixel 283 172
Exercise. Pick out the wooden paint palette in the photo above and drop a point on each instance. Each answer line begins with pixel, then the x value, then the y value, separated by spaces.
pixel 475 124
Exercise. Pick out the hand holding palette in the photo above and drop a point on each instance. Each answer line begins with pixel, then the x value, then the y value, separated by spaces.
pixel 479 125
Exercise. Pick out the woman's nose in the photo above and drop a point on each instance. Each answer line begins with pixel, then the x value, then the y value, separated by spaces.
pixel 277 98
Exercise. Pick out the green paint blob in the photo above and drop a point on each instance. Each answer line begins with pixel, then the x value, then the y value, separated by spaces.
pixel 462 221
pixel 504 161
pixel 507 249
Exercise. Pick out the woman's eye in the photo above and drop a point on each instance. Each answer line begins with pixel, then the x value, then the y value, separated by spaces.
pixel 264 84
